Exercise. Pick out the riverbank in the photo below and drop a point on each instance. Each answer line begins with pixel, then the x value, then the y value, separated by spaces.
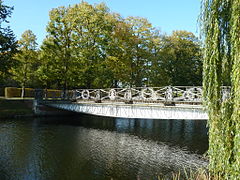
pixel 12 108
pixel 16 107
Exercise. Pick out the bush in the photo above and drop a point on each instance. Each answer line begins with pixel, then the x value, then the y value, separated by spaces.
pixel 11 92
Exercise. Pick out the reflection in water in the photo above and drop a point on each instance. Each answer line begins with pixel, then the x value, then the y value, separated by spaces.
pixel 99 148
pixel 190 135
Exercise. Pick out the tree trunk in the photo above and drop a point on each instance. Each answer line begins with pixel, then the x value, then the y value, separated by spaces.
pixel 22 92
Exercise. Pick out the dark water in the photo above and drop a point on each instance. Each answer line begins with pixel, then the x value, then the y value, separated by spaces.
pixel 88 147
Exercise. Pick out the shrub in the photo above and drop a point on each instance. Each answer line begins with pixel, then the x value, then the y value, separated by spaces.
pixel 12 92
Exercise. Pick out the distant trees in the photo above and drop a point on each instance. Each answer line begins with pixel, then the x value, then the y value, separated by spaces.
pixel 87 46
pixel 7 43
pixel 178 60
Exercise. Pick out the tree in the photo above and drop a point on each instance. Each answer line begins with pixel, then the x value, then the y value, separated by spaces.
pixel 178 61
pixel 26 60
pixel 7 42
pixel 158 76
pixel 220 24
pixel 89 47
pixel 119 56
pixel 77 45
pixel 139 49
pixel 92 26
pixel 58 64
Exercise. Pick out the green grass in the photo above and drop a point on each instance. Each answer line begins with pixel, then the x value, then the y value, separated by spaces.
pixel 193 175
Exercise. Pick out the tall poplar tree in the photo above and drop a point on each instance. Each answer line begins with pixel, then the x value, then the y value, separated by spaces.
pixel 221 30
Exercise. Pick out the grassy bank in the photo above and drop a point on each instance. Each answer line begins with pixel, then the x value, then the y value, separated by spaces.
pixel 10 108
pixel 201 174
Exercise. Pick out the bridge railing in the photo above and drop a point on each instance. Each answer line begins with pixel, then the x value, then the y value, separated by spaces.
pixel 50 94
pixel 146 94
pixel 172 94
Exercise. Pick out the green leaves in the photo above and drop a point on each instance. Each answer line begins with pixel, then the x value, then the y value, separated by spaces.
pixel 76 44
pixel 88 46
pixel 26 59
pixel 220 24
pixel 178 59
pixel 7 43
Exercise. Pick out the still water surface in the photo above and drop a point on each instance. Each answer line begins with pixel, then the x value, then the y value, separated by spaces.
pixel 88 147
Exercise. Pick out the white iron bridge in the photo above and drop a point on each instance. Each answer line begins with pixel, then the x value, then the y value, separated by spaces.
pixel 170 102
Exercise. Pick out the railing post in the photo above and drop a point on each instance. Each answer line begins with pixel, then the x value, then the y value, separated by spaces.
pixel 112 94
pixel 128 96
pixel 169 94
pixel 38 98
pixel 169 97
pixel 63 94
pixel 74 95
pixel 38 94
pixel 98 96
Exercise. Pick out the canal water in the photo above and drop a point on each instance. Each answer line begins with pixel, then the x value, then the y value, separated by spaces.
pixel 88 147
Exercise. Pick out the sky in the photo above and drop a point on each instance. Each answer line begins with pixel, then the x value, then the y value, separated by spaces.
pixel 168 15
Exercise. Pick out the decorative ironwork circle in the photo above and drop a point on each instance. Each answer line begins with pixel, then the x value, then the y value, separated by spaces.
pixel 85 94
pixel 147 93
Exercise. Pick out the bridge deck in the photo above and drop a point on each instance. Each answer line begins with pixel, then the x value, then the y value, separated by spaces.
pixel 136 110
pixel 147 102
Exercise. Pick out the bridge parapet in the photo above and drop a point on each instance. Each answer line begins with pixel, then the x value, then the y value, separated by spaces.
pixel 188 94
pixel 167 94
pixel 178 102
